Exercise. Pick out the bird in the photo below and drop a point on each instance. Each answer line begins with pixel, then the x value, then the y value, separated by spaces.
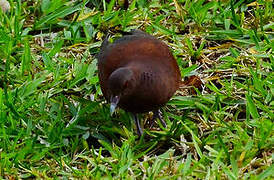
pixel 138 73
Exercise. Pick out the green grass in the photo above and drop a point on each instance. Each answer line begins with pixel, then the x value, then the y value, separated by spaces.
pixel 55 123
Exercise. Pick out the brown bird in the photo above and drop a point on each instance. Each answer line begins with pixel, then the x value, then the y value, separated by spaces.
pixel 138 73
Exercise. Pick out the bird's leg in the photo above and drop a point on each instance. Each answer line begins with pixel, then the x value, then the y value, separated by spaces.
pixel 136 120
pixel 157 114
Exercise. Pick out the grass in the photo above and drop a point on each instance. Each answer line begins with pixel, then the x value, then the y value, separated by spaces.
pixel 54 122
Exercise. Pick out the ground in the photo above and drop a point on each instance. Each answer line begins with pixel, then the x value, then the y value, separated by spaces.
pixel 55 123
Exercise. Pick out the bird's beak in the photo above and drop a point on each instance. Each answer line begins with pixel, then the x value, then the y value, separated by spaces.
pixel 114 100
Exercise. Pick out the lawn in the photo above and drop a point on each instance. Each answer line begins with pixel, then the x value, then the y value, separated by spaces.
pixel 55 123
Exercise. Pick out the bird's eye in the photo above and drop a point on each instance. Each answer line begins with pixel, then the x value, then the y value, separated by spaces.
pixel 125 85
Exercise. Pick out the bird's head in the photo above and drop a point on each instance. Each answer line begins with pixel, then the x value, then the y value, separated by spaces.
pixel 121 83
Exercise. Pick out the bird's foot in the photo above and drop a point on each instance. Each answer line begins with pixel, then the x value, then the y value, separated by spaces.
pixel 138 126
pixel 157 114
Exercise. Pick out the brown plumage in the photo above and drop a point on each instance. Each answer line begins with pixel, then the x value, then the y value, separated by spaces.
pixel 137 72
